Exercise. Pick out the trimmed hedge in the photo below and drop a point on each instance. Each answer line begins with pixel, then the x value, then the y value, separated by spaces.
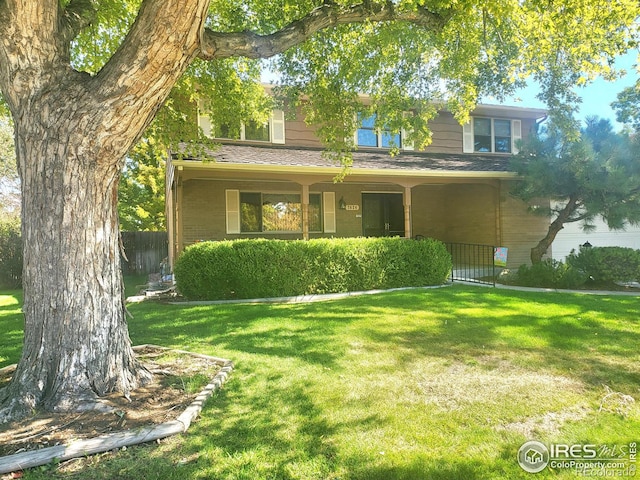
pixel 607 264
pixel 549 274
pixel 280 268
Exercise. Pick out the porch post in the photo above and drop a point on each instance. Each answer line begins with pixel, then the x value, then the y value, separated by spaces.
pixel 169 207
pixel 179 222
pixel 305 212
pixel 407 212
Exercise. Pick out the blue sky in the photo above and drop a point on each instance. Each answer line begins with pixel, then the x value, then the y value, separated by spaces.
pixel 596 97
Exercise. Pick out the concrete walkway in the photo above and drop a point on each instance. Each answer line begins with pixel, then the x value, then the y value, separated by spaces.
pixel 630 293
pixel 301 298
pixel 338 296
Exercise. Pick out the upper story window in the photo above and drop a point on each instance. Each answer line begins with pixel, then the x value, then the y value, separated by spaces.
pixel 270 131
pixel 491 135
pixel 252 131
pixel 369 136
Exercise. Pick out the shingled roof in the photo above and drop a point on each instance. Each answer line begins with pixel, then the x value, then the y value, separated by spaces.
pixel 280 156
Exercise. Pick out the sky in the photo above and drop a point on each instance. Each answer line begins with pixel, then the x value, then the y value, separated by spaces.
pixel 596 97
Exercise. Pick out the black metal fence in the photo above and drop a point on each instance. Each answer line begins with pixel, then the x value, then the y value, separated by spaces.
pixel 473 263
pixel 145 251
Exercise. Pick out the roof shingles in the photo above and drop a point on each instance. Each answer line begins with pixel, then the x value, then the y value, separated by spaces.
pixel 362 159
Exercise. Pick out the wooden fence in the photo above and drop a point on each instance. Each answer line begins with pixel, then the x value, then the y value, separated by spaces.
pixel 145 252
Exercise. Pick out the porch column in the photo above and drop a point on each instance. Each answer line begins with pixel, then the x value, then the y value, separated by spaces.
pixel 407 212
pixel 305 212
pixel 179 221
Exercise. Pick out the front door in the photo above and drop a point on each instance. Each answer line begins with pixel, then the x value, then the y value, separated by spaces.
pixel 382 215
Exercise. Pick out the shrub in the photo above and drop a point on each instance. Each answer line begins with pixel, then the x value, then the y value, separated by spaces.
pixel 10 254
pixel 277 268
pixel 550 274
pixel 607 264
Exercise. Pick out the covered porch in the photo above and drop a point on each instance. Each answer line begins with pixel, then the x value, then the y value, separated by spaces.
pixel 250 192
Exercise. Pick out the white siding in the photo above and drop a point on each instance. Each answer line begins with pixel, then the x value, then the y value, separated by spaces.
pixel 572 236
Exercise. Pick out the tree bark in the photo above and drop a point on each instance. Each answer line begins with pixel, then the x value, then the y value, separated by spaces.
pixel 76 344
pixel 564 216
pixel 72 133
pixel 251 45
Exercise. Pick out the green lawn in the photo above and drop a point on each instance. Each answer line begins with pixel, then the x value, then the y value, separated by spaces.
pixel 423 384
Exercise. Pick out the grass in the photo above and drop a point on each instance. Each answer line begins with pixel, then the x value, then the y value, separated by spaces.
pixel 422 384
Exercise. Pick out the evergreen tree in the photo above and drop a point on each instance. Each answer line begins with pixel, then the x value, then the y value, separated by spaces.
pixel 597 175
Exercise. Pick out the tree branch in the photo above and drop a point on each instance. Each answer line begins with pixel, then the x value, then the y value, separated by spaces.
pixel 137 79
pixel 78 15
pixel 27 27
pixel 251 45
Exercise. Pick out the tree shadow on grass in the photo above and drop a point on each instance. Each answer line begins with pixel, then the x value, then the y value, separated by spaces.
pixel 576 342
pixel 424 469
pixel 301 331
pixel 271 433
pixel 458 322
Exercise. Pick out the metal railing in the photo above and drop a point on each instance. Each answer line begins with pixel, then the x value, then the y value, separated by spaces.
pixel 473 263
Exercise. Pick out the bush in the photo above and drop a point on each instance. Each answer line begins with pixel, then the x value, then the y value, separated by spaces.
pixel 10 254
pixel 277 268
pixel 607 265
pixel 550 274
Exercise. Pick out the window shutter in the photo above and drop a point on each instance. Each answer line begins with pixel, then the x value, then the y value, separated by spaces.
pixel 467 136
pixel 204 122
pixel 329 211
pixel 233 211
pixel 355 134
pixel 406 144
pixel 277 126
pixel 516 135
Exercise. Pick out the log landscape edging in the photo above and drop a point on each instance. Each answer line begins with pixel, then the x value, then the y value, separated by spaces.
pixel 104 443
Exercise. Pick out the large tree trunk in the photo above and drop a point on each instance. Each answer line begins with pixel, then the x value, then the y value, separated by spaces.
pixel 76 345
pixel 72 133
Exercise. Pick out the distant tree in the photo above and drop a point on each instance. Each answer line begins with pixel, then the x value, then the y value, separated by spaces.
pixel 597 175
pixel 9 180
pixel 141 190
pixel 627 106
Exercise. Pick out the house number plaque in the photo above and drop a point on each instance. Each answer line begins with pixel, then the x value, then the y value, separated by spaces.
pixel 353 207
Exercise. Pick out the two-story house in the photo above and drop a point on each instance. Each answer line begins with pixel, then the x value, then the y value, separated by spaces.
pixel 272 181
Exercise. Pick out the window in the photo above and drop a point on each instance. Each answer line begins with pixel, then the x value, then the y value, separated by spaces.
pixel 491 135
pixel 315 212
pixel 502 136
pixel 256 212
pixel 270 131
pixel 481 134
pixel 252 131
pixel 278 212
pixel 270 212
pixel 256 131
pixel 368 136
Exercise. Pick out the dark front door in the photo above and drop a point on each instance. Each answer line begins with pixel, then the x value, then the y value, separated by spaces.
pixel 382 215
